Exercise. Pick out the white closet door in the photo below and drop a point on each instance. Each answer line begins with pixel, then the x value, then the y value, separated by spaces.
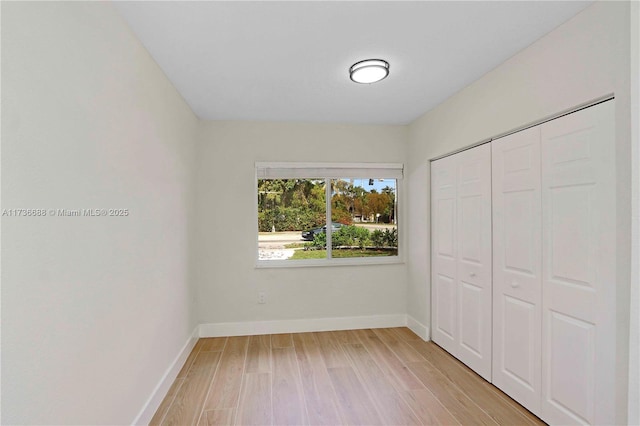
pixel 474 259
pixel 579 255
pixel 517 283
pixel 444 254
pixel 461 209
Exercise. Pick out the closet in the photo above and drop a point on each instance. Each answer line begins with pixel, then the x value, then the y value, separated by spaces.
pixel 526 298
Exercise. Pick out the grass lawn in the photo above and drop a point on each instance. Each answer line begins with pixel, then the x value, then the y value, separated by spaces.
pixel 294 245
pixel 322 254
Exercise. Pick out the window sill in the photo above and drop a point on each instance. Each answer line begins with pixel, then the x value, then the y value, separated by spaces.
pixel 390 260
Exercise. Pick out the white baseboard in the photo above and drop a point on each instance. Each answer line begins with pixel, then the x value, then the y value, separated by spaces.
pixel 301 325
pixel 418 328
pixel 161 389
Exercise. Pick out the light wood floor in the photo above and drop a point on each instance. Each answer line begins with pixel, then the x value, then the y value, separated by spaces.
pixel 357 377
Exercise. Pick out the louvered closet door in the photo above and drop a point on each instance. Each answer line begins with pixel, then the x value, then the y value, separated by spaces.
pixel 579 237
pixel 461 217
pixel 517 283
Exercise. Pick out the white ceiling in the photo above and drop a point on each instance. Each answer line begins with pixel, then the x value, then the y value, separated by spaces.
pixel 289 61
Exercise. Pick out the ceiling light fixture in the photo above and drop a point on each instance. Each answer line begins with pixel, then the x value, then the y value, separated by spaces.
pixel 369 71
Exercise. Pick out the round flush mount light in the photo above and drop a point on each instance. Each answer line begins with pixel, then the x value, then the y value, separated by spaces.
pixel 369 71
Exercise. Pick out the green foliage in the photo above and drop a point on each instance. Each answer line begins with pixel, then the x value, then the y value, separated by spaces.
pixel 390 237
pixel 346 236
pixel 317 199
pixel 349 236
pixel 377 238
pixel 289 219
pixel 386 238
pixel 320 240
pixel 297 193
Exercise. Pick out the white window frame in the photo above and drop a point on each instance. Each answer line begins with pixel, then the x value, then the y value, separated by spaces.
pixel 328 171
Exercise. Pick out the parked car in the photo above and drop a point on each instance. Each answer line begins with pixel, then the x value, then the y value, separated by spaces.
pixel 311 233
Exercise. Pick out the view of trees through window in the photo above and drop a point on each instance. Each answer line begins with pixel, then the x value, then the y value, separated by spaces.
pixel 292 218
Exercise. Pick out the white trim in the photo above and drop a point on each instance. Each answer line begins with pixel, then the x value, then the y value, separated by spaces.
pixel 307 165
pixel 285 170
pixel 633 391
pixel 417 327
pixel 155 399
pixel 347 261
pixel 251 328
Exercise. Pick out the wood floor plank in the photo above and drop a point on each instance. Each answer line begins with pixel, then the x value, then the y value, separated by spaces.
pixel 316 383
pixel 401 348
pixel 365 332
pixel 329 378
pixel 406 334
pixel 449 395
pixel 288 396
pixel 355 407
pixel 332 354
pixel 398 373
pixel 393 409
pixel 225 389
pixel 533 419
pixel 213 344
pixel 166 403
pixel 259 355
pixel 449 365
pixel 255 400
pixel 189 400
pixel 475 387
pixel 281 340
pixel 428 408
pixel 423 403
pixel 218 417
pixel 189 362
pixel 345 336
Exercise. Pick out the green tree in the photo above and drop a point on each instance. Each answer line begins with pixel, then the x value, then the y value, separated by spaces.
pixel 390 211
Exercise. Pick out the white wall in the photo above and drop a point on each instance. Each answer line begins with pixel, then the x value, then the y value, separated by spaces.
pixel 228 282
pixel 583 59
pixel 94 309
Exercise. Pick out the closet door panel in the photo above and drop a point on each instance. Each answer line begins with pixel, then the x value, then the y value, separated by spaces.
pixel 579 282
pixel 474 258
pixel 444 254
pixel 517 292
pixel 461 256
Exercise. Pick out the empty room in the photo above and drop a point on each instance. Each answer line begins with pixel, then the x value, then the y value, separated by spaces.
pixel 320 212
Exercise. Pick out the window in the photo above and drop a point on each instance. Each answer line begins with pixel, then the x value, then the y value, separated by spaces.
pixel 327 213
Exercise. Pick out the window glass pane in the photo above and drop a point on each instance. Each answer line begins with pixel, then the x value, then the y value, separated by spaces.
pixel 364 212
pixel 291 219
